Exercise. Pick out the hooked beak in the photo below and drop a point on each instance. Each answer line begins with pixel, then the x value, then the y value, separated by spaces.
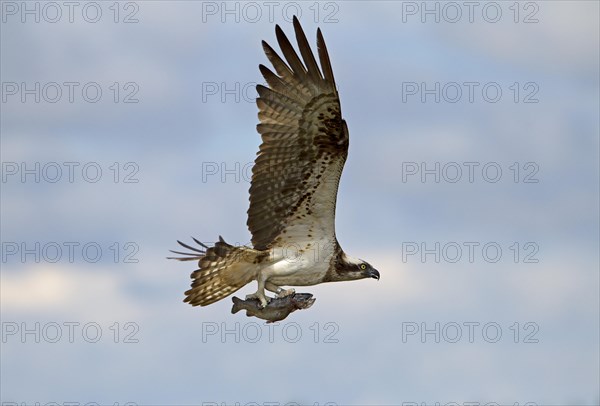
pixel 374 273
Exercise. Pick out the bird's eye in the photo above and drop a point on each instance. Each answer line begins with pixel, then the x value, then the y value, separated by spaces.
pixel 363 266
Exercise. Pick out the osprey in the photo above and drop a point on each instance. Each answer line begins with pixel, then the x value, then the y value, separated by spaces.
pixel 294 186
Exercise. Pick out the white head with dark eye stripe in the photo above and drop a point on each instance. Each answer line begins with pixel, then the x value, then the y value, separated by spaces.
pixel 348 268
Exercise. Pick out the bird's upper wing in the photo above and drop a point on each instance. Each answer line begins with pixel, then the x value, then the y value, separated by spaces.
pixel 305 143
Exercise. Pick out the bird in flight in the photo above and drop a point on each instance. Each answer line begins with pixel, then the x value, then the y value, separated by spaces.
pixel 294 187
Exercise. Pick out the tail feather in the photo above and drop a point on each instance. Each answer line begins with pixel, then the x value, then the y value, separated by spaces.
pixel 196 255
pixel 223 269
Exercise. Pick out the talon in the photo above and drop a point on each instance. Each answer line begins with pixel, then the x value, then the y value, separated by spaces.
pixel 264 300
pixel 285 292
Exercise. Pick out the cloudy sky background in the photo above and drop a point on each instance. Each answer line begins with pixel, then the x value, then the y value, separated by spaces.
pixel 173 54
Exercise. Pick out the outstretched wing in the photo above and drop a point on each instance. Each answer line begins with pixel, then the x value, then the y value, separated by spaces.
pixel 305 143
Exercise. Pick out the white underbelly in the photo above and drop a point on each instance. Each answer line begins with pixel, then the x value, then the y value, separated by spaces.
pixel 302 267
pixel 303 277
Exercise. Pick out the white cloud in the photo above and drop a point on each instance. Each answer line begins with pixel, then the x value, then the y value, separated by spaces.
pixel 66 292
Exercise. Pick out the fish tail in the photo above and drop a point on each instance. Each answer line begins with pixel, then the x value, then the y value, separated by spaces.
pixel 237 304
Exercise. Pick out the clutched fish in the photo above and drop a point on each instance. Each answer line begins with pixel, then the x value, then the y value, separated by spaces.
pixel 277 309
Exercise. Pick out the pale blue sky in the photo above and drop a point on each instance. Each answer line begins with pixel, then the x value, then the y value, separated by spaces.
pixel 377 49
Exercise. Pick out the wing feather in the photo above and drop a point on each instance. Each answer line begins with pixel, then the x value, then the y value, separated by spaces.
pixel 294 84
pixel 274 81
pixel 306 52
pixel 324 58
pixel 305 143
pixel 289 53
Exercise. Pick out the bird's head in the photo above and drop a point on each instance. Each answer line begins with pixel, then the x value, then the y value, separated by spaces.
pixel 348 269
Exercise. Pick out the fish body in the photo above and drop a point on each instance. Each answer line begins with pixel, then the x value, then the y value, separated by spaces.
pixel 277 309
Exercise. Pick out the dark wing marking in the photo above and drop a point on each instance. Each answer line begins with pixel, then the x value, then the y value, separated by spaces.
pixel 305 144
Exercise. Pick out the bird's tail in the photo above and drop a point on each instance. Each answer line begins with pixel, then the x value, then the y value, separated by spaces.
pixel 223 269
